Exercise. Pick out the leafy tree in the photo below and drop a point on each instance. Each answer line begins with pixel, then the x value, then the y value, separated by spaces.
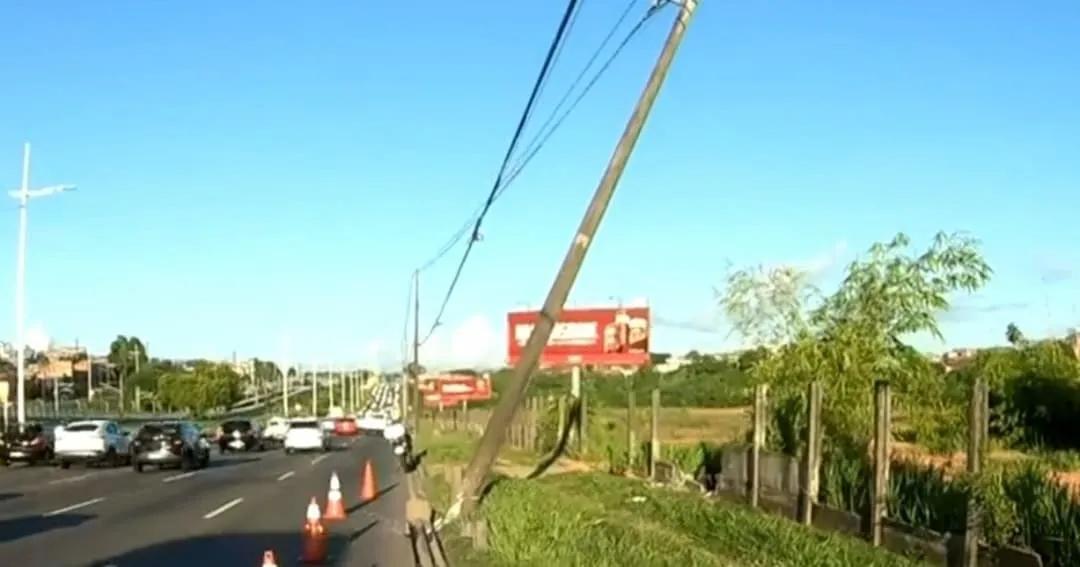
pixel 750 358
pixel 1013 335
pixel 125 353
pixel 206 386
pixel 855 335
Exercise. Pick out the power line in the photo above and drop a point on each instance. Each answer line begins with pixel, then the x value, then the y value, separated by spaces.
pixel 554 120
pixel 551 125
pixel 541 79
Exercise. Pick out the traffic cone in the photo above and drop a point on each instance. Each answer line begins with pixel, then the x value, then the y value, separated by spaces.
pixel 269 560
pixel 367 483
pixel 335 508
pixel 313 538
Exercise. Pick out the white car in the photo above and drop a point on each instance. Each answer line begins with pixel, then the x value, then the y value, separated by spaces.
pixel 306 434
pixel 373 423
pixel 276 428
pixel 93 441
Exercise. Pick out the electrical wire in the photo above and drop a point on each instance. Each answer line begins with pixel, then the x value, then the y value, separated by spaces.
pixel 545 69
pixel 538 93
pixel 547 130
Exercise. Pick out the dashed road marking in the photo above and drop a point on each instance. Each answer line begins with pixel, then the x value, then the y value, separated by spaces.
pixel 71 479
pixel 74 507
pixel 222 509
pixel 319 459
pixel 286 475
pixel 177 477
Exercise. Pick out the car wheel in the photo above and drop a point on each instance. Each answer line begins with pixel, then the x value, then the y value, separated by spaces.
pixel 65 465
pixel 137 466
pixel 187 461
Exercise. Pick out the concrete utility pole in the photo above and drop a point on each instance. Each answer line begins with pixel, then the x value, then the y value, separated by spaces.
pixel 499 423
pixel 414 373
pixel 23 196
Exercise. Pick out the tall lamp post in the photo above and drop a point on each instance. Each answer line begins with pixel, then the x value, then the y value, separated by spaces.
pixel 23 196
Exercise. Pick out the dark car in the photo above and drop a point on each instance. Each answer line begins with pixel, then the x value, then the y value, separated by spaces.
pixel 33 444
pixel 239 435
pixel 169 444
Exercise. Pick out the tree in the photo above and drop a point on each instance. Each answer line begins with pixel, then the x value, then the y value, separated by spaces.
pixel 767 307
pixel 206 386
pixel 1013 335
pixel 854 336
pixel 127 353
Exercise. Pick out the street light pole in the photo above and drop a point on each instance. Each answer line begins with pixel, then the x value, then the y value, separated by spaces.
pixel 24 195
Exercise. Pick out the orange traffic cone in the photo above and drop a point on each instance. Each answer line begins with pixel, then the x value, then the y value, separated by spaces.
pixel 335 508
pixel 367 483
pixel 268 559
pixel 313 539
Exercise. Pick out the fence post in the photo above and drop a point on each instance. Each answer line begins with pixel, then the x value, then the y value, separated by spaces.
pixel 583 423
pixel 882 455
pixel 810 480
pixel 977 427
pixel 760 407
pixel 631 407
pixel 654 434
pixel 560 418
pixel 534 422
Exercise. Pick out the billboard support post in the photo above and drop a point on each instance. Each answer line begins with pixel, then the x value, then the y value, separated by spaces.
pixel 495 432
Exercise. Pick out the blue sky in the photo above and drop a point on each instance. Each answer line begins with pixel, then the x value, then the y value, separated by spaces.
pixel 263 177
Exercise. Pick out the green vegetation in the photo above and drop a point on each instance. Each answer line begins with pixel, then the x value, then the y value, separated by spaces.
pixel 856 335
pixel 591 519
pixel 848 339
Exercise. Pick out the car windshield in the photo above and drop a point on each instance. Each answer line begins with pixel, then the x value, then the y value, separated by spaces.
pixel 155 429
pixel 237 425
pixel 85 427
pixel 305 424
pixel 30 431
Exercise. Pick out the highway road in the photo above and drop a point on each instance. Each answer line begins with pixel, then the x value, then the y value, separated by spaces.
pixel 226 515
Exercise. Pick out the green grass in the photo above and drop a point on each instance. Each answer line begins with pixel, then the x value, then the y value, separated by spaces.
pixel 599 520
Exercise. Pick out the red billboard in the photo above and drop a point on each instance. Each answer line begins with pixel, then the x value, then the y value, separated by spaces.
pixel 453 389
pixel 595 337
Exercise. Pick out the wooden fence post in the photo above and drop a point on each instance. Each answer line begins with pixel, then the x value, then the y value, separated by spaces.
pixel 631 407
pixel 560 419
pixel 810 480
pixel 882 456
pixel 654 434
pixel 977 427
pixel 583 424
pixel 760 407
pixel 534 422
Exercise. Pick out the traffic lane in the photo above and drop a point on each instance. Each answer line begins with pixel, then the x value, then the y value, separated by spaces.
pixel 373 534
pixel 98 529
pixel 102 484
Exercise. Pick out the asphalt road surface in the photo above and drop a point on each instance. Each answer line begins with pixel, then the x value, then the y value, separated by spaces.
pixel 226 515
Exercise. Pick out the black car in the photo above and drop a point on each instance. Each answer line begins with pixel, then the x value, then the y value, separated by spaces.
pixel 33 444
pixel 169 444
pixel 239 435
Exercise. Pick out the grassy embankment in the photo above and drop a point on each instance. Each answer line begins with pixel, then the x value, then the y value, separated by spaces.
pixel 596 519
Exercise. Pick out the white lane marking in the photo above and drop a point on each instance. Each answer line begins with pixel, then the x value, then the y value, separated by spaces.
pixel 177 477
pixel 72 479
pixel 222 509
pixel 286 475
pixel 319 459
pixel 74 507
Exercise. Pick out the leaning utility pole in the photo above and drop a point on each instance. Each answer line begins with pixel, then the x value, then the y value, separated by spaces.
pixel 414 371
pixel 500 420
